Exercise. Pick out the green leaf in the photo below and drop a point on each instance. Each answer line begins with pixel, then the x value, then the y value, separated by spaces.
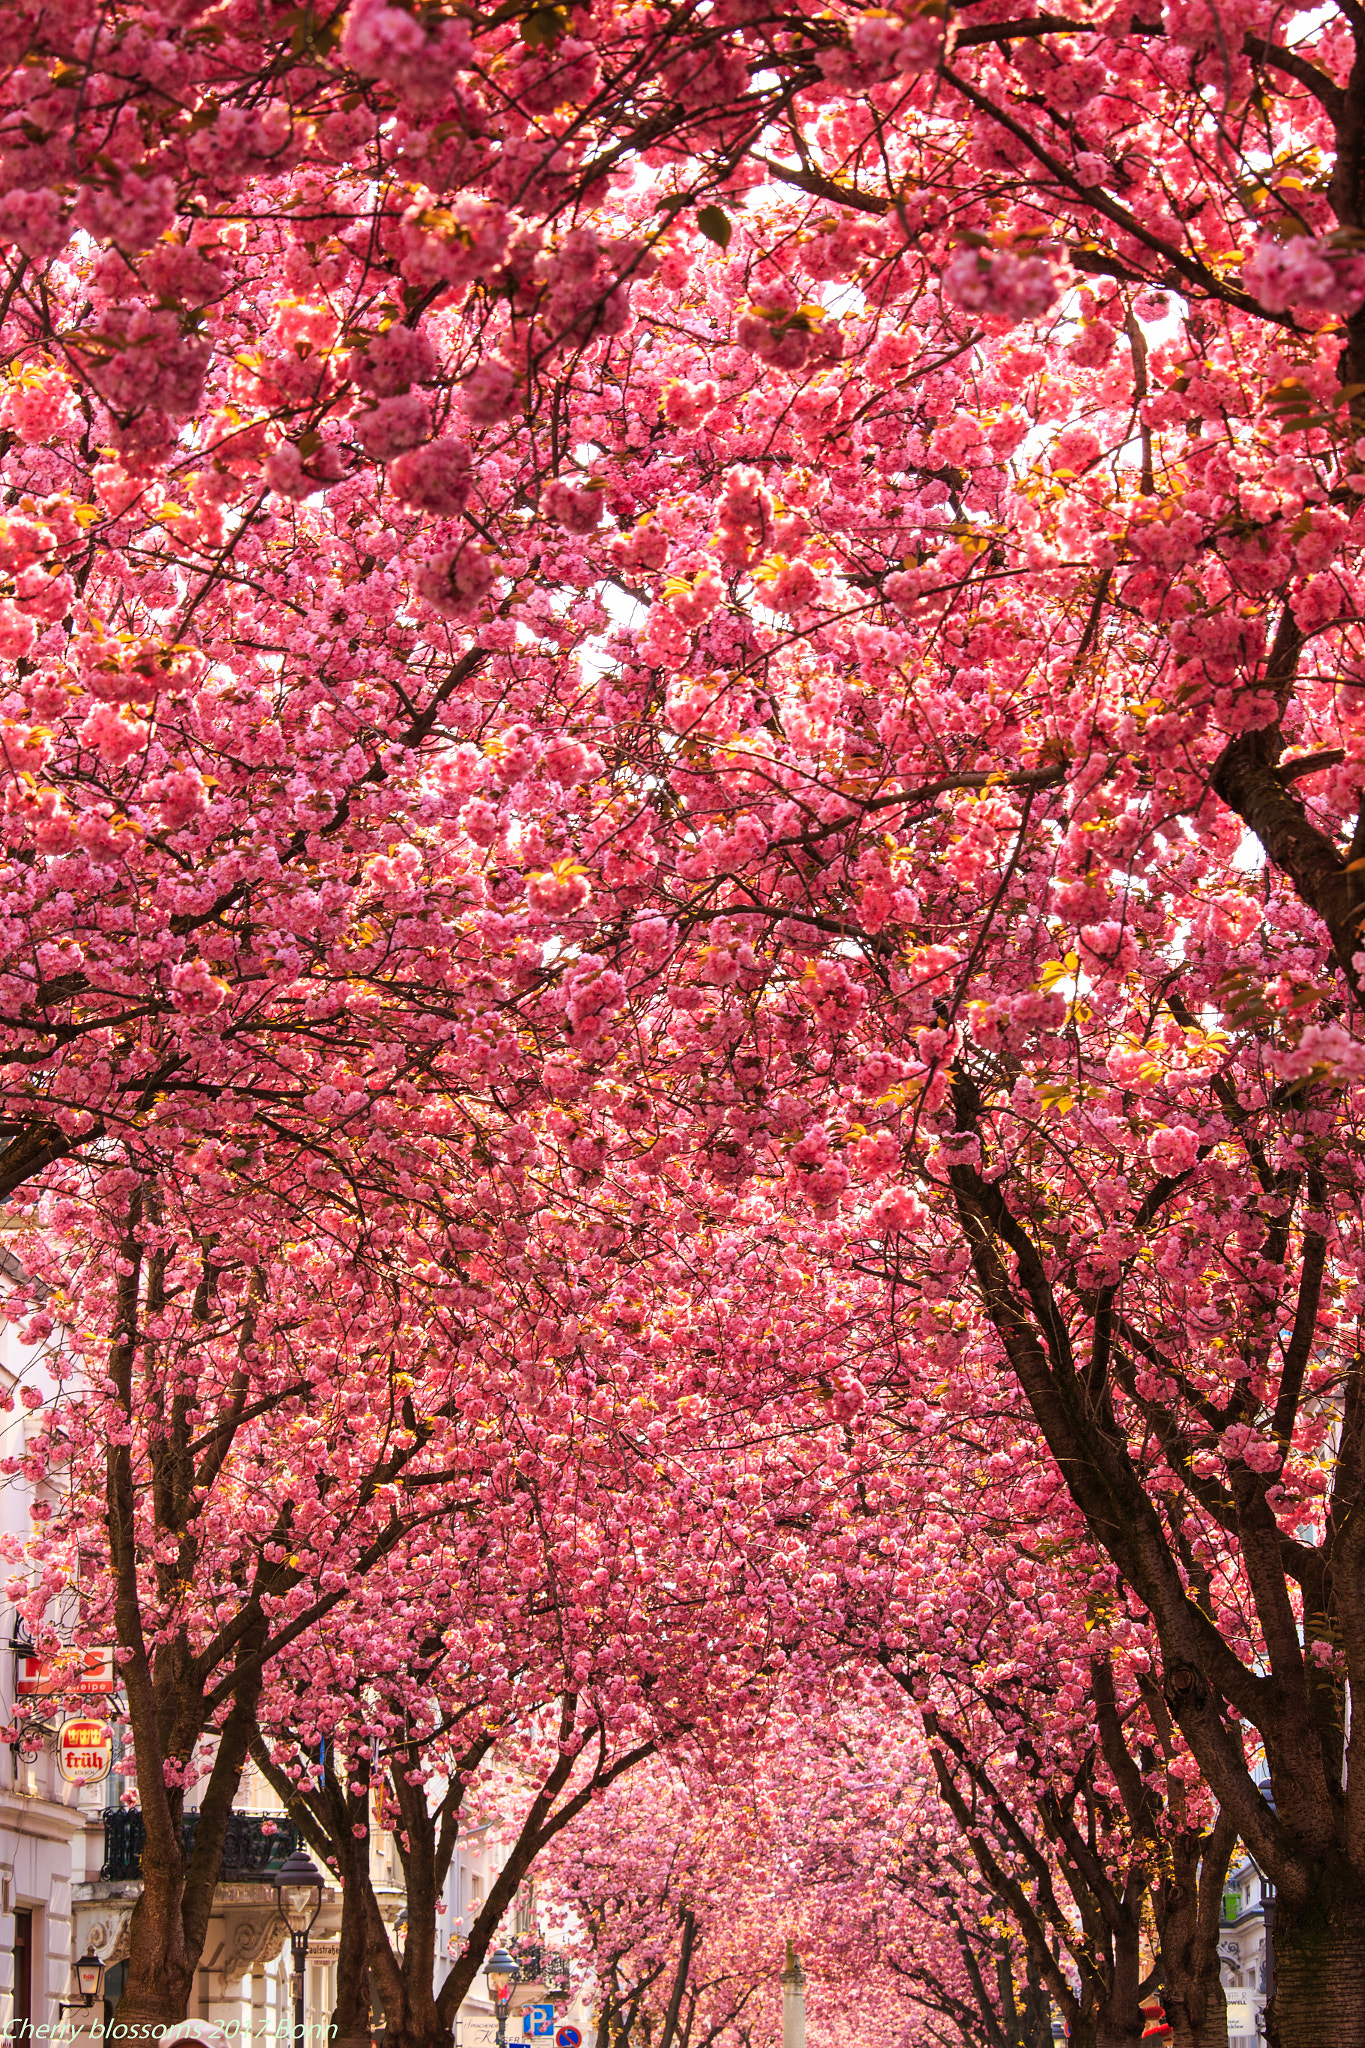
pixel 542 27
pixel 716 225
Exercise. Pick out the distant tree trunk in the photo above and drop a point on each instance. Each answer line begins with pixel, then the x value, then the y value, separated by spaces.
pixel 327 1813
pixel 1107 2013
pixel 1032 2020
pixel 688 1922
pixel 416 2015
pixel 1309 1836
pixel 1188 1906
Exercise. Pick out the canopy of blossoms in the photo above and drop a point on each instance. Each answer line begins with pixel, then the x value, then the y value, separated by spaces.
pixel 682 747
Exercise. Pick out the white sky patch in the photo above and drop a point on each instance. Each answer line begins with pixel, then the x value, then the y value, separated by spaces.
pixel 1249 858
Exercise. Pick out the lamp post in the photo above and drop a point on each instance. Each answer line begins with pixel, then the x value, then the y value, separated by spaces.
pixel 298 1894
pixel 89 1979
pixel 502 1972
pixel 89 1976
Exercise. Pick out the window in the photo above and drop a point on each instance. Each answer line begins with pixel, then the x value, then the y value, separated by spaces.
pixel 115 1977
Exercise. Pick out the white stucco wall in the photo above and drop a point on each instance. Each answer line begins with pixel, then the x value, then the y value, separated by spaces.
pixel 45 1824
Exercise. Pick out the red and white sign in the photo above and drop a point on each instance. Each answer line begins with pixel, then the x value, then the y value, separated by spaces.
pixel 85 1750
pixel 78 1671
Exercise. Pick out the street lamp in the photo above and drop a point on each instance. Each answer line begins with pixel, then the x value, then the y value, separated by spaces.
pixel 89 1976
pixel 298 1894
pixel 502 1972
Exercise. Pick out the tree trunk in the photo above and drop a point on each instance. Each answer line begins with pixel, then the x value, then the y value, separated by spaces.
pixel 161 1969
pixel 1198 2014
pixel 416 2027
pixel 689 1935
pixel 1319 1955
pixel 169 1923
pixel 351 2013
pixel 1201 2026
pixel 1112 2002
pixel 1189 1916
pixel 1119 2025
pixel 413 2019
pixel 1034 2026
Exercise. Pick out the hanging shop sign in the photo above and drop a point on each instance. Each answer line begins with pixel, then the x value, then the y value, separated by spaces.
pixel 70 1671
pixel 85 1751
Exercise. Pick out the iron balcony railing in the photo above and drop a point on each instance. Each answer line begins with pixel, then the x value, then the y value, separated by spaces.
pixel 539 1965
pixel 255 1847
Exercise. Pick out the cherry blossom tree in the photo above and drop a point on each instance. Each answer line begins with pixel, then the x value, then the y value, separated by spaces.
pixel 664 1891
pixel 1032 1671
pixel 494 1685
pixel 245 1428
pixel 677 1892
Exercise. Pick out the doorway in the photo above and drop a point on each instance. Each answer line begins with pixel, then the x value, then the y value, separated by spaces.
pixel 23 1971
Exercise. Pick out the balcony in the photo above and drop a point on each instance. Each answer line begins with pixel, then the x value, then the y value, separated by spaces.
pixel 540 1966
pixel 256 1844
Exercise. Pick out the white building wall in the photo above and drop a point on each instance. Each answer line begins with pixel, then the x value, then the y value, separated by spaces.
pixel 43 1820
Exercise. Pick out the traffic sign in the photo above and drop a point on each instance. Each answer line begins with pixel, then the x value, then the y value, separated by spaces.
pixel 538 2021
pixel 85 1750
pixel 568 2037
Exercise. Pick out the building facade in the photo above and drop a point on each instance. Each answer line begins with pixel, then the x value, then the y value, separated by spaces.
pixel 1243 1953
pixel 45 1824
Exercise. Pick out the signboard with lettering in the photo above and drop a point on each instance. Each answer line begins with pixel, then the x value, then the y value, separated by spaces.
pixel 85 1750
pixel 70 1671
